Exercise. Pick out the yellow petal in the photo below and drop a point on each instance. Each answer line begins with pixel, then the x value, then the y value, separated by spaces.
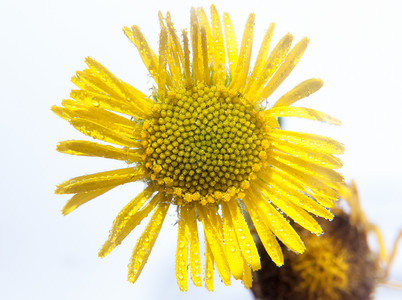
pixel 218 47
pixel 162 76
pixel 204 48
pixel 195 260
pixel 280 199
pixel 209 267
pixel 277 223
pixel 107 102
pixel 91 82
pixel 213 233
pixel 103 133
pixel 262 56
pixel 302 90
pixel 146 242
pixel 234 256
pixel 81 198
pixel 247 277
pixel 187 73
pixel 322 159
pixel 107 78
pixel 265 234
pixel 86 148
pixel 195 43
pixel 243 62
pixel 307 183
pixel 330 177
pixel 203 19
pixel 129 217
pixel 310 141
pixel 284 70
pixel 176 47
pixel 231 43
pixel 246 241
pixel 301 112
pixel 102 117
pixel 294 191
pixel 100 180
pixel 182 252
pixel 269 67
pixel 148 56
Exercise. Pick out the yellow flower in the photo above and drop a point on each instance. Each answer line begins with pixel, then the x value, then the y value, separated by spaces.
pixel 337 266
pixel 205 143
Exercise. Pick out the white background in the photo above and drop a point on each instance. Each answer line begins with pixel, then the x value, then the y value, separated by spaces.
pixel 355 48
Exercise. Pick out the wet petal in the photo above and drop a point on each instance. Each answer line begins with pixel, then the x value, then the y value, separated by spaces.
pixel 146 242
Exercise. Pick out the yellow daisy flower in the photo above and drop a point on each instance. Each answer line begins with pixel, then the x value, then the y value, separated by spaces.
pixel 205 143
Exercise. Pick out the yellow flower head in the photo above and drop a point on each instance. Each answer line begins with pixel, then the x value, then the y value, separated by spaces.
pixel 204 143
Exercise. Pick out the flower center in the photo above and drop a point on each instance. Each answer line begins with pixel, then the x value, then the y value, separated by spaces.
pixel 323 269
pixel 204 143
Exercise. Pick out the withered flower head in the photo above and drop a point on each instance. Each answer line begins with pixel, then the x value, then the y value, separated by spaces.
pixel 340 265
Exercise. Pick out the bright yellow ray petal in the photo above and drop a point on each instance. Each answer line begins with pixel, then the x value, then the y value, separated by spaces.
pixel 195 261
pixel 106 102
pixel 243 63
pixel 162 75
pixel 81 198
pixel 301 112
pixel 176 47
pixel 100 180
pixel 315 157
pixel 182 252
pixel 330 177
pixel 146 242
pixel 277 223
pixel 204 48
pixel 294 191
pixel 247 277
pixel 218 47
pixel 302 90
pixel 307 183
pixel 90 82
pixel 234 256
pixel 187 72
pixel 284 70
pixel 262 56
pixel 203 19
pixel 61 112
pixel 129 217
pixel 103 133
pixel 171 56
pixel 147 55
pixel 209 267
pixel 103 78
pixel 280 199
pixel 246 241
pixel 305 202
pixel 103 118
pixel 213 233
pixel 86 148
pixel 310 141
pixel 197 56
pixel 112 83
pixel 231 43
pixel 269 67
pixel 265 234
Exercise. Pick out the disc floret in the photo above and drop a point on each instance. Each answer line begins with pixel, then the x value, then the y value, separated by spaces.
pixel 204 143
